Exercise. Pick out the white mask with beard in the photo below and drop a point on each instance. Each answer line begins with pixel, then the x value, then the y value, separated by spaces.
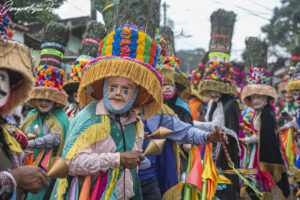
pixel 259 101
pixel 4 89
pixel 214 95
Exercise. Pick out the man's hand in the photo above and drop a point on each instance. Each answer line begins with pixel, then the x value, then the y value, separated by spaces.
pixel 131 159
pixel 243 140
pixel 30 178
pixel 217 137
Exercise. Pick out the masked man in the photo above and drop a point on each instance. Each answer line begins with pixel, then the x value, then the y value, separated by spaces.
pixel 16 83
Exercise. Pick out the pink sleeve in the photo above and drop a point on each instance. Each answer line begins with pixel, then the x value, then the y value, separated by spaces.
pixel 88 162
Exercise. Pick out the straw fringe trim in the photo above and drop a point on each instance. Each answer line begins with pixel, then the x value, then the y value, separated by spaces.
pixel 56 96
pixel 294 85
pixel 167 74
pixel 15 57
pixel 258 89
pixel 225 88
pixel 149 99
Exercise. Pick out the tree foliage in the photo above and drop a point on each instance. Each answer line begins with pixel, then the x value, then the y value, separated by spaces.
pixel 31 11
pixel 284 27
pixel 190 59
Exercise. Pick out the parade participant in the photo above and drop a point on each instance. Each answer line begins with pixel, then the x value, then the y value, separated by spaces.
pixel 15 86
pixel 260 96
pixel 105 139
pixel 91 38
pixel 159 174
pixel 222 109
pixel 46 125
pixel 196 102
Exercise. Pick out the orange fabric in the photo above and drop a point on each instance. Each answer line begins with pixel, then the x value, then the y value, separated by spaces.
pixel 195 176
pixel 29 159
pixel 38 158
pixel 85 190
pixel 284 137
pixel 194 103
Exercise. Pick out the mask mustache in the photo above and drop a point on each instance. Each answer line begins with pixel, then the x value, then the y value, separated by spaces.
pixel 115 97
pixel 3 93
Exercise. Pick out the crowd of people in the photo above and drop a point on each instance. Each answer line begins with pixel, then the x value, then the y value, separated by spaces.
pixel 128 123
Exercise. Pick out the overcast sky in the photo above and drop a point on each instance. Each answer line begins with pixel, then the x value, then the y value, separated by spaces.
pixel 193 17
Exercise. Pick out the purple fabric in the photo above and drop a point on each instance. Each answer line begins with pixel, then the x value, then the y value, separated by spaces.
pixel 203 151
pixel 102 187
pixel 72 193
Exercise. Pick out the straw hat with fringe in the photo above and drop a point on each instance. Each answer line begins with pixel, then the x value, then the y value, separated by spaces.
pixel 181 79
pixel 49 74
pixel 92 36
pixel 294 78
pixel 16 59
pixel 217 73
pixel 258 83
pixel 258 77
pixel 282 87
pixel 129 52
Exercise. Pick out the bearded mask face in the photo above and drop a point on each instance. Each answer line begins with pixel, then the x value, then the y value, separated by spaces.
pixel 214 95
pixel 169 91
pixel 44 105
pixel 4 89
pixel 120 91
pixel 258 101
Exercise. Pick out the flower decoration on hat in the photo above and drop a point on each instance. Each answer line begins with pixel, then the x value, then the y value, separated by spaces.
pixel 258 76
pixel 218 71
pixel 5 31
pixel 49 75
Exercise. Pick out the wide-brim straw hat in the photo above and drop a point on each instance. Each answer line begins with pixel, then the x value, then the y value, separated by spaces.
pixel 58 97
pixel 218 86
pixel 259 89
pixel 149 99
pixel 282 87
pixel 294 85
pixel 16 58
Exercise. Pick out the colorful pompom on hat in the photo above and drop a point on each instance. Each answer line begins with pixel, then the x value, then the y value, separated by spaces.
pixel 49 74
pixel 218 71
pixel 88 50
pixel 127 51
pixel 258 79
pixel 294 74
pixel 17 60
pixel 181 79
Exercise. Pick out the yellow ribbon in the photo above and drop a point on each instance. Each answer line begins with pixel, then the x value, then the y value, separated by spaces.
pixel 219 54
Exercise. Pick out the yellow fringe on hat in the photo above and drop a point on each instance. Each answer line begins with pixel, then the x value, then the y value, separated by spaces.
pixel 294 85
pixel 225 88
pixel 150 98
pixel 60 98
pixel 197 95
pixel 86 138
pixel 168 75
pixel 260 90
